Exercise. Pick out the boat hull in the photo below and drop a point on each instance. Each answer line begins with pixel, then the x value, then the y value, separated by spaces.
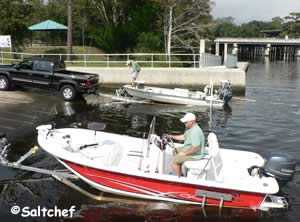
pixel 171 99
pixel 162 190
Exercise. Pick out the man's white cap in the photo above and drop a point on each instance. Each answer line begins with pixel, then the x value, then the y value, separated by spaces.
pixel 128 62
pixel 188 117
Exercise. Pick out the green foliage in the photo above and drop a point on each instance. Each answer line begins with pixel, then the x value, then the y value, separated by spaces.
pixel 227 28
pixel 131 25
pixel 14 17
pixel 119 26
pixel 56 51
pixel 148 42
pixel 111 38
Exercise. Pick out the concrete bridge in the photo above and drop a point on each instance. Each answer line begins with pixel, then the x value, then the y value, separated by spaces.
pixel 262 46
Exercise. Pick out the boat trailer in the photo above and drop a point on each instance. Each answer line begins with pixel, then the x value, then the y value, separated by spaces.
pixel 64 176
pixel 67 178
pixel 114 99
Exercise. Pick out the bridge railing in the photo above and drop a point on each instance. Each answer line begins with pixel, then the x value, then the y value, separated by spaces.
pixel 119 60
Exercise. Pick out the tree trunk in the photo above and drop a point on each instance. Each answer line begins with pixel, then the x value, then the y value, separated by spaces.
pixel 69 50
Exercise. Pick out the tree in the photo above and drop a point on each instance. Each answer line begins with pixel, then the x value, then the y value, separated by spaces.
pixel 294 16
pixel 224 27
pixel 184 22
pixel 293 25
pixel 148 42
pixel 117 24
pixel 276 23
pixel 14 17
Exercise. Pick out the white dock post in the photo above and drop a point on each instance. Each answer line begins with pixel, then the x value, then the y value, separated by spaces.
pixel 267 50
pixel 225 52
pixel 217 49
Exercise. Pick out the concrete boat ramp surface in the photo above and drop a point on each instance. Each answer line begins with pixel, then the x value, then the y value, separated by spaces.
pixel 21 110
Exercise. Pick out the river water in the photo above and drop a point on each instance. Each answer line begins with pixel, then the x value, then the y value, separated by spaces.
pixel 267 119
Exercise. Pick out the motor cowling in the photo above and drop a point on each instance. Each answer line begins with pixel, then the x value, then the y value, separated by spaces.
pixel 3 140
pixel 225 90
pixel 4 145
pixel 281 166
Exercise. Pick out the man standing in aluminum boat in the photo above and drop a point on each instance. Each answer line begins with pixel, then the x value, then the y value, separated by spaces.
pixel 135 70
pixel 194 143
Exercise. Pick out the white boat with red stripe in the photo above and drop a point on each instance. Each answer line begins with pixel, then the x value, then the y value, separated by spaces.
pixel 140 168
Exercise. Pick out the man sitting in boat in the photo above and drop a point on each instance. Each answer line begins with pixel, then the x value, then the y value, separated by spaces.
pixel 135 70
pixel 194 143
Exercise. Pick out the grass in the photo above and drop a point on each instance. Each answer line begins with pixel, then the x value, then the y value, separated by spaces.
pixel 63 50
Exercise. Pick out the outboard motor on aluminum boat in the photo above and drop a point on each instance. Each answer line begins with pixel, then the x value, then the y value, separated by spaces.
pixel 4 145
pixel 225 91
pixel 278 165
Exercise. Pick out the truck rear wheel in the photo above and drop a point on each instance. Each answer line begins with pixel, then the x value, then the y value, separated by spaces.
pixel 68 92
pixel 4 83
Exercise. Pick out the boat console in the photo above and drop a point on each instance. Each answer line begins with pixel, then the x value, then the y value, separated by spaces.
pixel 139 84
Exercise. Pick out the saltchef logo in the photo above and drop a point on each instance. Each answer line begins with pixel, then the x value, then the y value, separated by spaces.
pixel 42 211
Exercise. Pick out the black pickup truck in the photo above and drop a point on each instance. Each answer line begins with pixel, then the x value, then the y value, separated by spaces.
pixel 48 74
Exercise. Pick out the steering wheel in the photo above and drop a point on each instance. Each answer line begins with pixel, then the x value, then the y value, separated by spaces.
pixel 166 140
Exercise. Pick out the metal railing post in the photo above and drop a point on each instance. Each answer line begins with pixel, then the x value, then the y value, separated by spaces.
pixel 152 58
pixel 107 61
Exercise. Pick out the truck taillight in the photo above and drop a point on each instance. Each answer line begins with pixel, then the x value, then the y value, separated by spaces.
pixel 87 83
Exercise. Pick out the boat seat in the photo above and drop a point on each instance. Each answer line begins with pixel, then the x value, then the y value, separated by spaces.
pixel 210 167
pixel 196 168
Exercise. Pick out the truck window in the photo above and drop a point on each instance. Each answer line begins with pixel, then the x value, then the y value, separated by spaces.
pixel 44 66
pixel 26 64
pixel 59 65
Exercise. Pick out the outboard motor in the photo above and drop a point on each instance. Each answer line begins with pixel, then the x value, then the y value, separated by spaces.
pixel 4 145
pixel 207 90
pixel 281 166
pixel 225 91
